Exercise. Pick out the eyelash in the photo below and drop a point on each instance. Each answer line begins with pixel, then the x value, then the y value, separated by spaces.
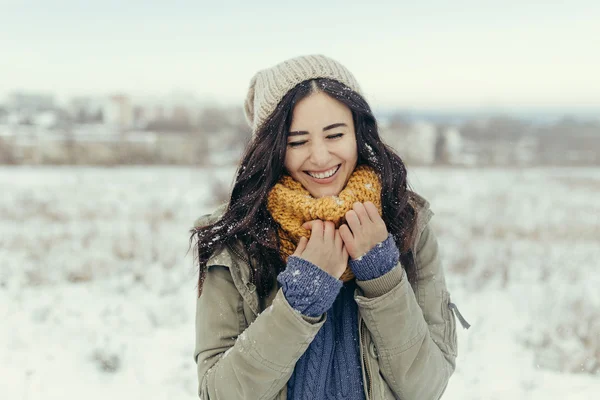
pixel 297 144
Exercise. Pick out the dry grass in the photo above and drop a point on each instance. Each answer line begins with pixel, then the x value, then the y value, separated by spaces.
pixel 497 229
pixel 535 234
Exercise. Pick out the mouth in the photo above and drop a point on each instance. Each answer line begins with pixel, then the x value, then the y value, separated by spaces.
pixel 324 175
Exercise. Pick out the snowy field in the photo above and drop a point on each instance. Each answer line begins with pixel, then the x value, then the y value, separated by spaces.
pixel 97 294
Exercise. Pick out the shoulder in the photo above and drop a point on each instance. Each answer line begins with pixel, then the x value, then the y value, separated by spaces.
pixel 424 214
pixel 425 246
pixel 232 255
pixel 230 262
pixel 222 255
pixel 210 218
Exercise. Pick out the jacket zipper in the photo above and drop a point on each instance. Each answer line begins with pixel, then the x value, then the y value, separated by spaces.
pixel 458 315
pixel 365 361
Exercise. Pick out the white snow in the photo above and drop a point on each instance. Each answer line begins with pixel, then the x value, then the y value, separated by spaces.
pixel 97 294
pixel 338 201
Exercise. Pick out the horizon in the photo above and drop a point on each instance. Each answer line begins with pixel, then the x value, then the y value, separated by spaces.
pixel 539 113
pixel 463 55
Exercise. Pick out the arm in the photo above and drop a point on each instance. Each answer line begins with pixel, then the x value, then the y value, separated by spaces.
pixel 415 336
pixel 235 362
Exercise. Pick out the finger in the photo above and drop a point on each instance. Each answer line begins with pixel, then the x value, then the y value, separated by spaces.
pixel 345 255
pixel 308 225
pixel 372 211
pixel 338 242
pixel 360 210
pixel 329 231
pixel 353 221
pixel 316 232
pixel 301 246
pixel 347 237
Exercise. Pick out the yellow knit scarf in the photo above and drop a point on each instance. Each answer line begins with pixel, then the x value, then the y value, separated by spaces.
pixel 291 205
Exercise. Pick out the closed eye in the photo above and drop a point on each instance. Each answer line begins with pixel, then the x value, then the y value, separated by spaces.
pixel 297 144
pixel 301 142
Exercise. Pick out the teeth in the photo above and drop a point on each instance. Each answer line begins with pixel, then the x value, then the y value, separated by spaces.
pixel 325 174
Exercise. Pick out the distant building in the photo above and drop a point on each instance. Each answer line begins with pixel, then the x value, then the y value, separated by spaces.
pixel 30 113
pixel 46 119
pixel 415 142
pixel 3 115
pixel 498 140
pixel 30 103
pixel 449 146
pixel 87 109
pixel 118 112
pixel 172 113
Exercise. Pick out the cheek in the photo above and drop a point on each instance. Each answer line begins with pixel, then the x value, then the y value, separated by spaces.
pixel 291 162
pixel 351 152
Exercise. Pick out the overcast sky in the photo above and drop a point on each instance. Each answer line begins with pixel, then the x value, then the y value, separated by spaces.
pixel 427 54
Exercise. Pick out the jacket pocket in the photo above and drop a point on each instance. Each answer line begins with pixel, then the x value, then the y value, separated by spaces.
pixel 450 341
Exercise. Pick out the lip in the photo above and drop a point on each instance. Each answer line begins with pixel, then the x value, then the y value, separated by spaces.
pixel 326 180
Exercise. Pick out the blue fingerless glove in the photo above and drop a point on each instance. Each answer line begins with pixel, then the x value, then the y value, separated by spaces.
pixel 309 290
pixel 377 262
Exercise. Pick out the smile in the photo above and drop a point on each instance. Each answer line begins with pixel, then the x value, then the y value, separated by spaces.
pixel 325 174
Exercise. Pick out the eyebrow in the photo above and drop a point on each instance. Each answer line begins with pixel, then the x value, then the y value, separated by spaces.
pixel 327 128
pixel 333 126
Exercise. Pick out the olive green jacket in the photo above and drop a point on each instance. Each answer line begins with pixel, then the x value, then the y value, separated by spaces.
pixel 247 347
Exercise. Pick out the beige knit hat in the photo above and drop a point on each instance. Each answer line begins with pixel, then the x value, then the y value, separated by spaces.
pixel 269 86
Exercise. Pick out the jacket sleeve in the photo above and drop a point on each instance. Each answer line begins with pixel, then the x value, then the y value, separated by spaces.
pixel 235 362
pixel 414 331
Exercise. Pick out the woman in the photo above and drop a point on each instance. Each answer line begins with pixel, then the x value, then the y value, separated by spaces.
pixel 321 277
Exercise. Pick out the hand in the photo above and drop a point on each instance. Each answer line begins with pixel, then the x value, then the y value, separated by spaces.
pixel 325 248
pixel 364 229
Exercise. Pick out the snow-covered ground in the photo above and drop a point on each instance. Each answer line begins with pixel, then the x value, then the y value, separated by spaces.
pixel 97 293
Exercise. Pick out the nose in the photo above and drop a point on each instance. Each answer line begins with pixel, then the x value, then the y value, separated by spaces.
pixel 319 154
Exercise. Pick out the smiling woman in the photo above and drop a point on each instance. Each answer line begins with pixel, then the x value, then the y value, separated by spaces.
pixel 321 277
pixel 321 152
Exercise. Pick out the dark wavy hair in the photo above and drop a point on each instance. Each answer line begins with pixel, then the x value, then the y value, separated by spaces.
pixel 247 226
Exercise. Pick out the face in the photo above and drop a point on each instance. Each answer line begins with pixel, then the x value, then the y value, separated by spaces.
pixel 321 150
